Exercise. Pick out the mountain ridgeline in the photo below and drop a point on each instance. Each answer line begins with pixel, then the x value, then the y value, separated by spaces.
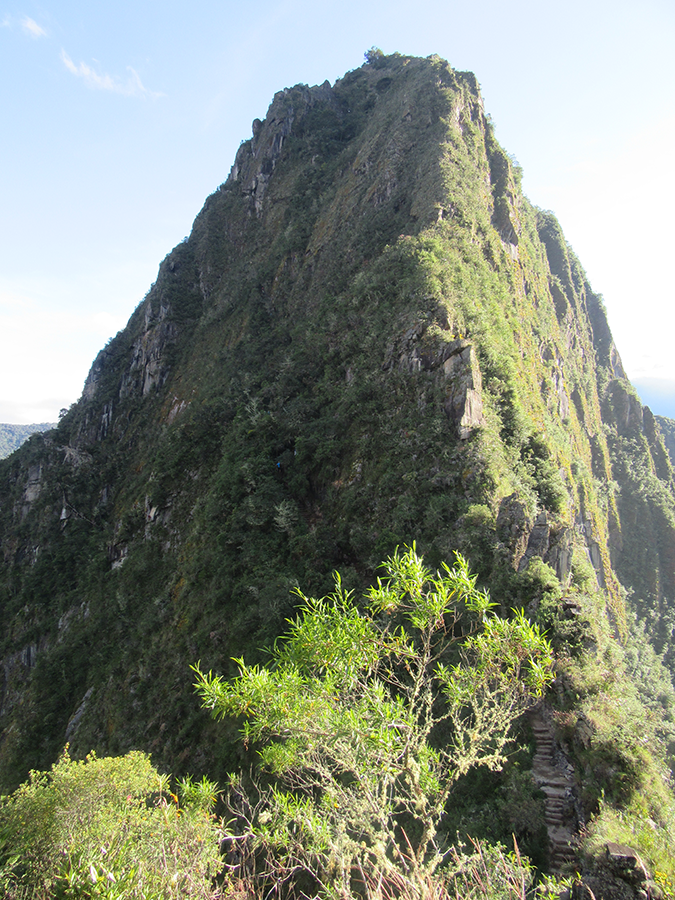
pixel 12 436
pixel 369 338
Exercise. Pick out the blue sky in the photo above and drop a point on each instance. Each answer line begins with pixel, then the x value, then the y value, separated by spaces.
pixel 119 119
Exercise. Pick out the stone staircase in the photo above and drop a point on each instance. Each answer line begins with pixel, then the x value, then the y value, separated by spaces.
pixel 557 784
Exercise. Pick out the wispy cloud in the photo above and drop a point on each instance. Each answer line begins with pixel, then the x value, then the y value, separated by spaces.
pixel 131 87
pixel 31 27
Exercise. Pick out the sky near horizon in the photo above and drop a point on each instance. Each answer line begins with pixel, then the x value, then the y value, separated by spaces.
pixel 120 119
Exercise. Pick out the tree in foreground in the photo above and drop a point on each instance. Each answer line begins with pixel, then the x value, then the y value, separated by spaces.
pixel 366 718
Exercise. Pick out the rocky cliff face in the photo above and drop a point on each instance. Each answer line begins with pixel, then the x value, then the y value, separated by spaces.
pixel 369 338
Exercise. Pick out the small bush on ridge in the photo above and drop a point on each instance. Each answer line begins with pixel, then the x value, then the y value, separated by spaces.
pixel 107 828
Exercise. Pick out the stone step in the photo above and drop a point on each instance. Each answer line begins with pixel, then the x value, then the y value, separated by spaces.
pixel 555 796
pixel 555 788
pixel 555 810
pixel 551 775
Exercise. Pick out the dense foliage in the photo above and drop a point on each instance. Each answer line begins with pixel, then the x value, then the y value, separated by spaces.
pixel 108 828
pixel 367 719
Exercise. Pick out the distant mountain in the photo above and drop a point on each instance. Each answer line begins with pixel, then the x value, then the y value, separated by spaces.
pixel 12 436
pixel 370 337
pixel 667 426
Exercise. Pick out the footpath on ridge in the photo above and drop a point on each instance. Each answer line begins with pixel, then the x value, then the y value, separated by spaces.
pixel 554 777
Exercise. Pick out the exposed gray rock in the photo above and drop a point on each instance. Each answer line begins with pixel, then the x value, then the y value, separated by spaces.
pixel 32 489
pixel 596 559
pixel 257 158
pixel 93 378
pixel 667 427
pixel 625 862
pixel 33 486
pixel 583 732
pixel 148 367
pixel 559 555
pixel 464 400
pixel 513 527
pixel 538 541
pixel 147 370
pixel 550 354
pixel 626 407
pixel 457 363
pixel 75 719
pixel 15 670
pixel 617 873
pixel 616 364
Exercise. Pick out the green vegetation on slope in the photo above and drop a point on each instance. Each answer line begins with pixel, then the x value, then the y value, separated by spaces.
pixel 108 828
pixel 370 337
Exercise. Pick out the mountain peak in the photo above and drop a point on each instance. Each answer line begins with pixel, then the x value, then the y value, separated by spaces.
pixel 369 338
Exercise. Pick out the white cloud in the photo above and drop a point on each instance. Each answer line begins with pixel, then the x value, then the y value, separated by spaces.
pixel 132 87
pixel 31 27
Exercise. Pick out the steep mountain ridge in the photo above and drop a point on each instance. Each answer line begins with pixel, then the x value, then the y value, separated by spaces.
pixel 370 337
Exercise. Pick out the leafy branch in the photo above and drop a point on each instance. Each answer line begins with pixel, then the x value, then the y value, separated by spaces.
pixel 367 717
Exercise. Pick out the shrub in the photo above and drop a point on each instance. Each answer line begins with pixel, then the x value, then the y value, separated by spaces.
pixel 373 55
pixel 366 720
pixel 490 872
pixel 107 828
